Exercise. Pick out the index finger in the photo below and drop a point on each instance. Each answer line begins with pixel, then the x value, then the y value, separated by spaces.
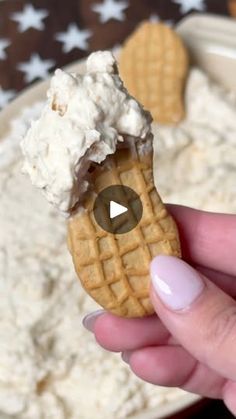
pixel 207 239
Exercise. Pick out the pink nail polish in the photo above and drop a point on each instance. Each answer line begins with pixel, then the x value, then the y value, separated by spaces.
pixel 177 284
pixel 89 320
pixel 126 356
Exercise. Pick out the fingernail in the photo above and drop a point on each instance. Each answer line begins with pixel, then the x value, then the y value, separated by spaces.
pixel 177 284
pixel 89 320
pixel 126 356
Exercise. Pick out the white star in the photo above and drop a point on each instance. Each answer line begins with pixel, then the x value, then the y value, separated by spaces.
pixel 5 96
pixel 187 5
pixel 111 9
pixel 30 18
pixel 74 38
pixel 4 43
pixel 35 68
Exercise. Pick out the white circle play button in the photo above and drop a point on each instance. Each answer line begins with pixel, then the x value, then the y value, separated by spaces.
pixel 117 209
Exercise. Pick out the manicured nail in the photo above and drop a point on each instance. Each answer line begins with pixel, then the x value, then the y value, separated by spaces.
pixel 126 356
pixel 89 320
pixel 176 283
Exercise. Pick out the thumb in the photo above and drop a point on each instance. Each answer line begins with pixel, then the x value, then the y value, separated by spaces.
pixel 197 313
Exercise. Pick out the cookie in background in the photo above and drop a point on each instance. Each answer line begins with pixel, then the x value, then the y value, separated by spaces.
pixel 154 66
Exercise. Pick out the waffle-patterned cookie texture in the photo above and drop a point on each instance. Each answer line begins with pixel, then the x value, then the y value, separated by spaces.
pixel 153 65
pixel 114 268
pixel 232 7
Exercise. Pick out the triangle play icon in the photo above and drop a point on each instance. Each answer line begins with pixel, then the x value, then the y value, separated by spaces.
pixel 116 209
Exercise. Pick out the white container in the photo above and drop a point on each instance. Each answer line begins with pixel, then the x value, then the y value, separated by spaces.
pixel 211 41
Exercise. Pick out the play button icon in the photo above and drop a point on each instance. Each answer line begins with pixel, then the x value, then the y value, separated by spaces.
pixel 117 209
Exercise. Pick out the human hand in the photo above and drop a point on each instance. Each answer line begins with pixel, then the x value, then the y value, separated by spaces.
pixel 191 342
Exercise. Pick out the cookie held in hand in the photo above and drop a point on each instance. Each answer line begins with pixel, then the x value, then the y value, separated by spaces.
pixel 114 268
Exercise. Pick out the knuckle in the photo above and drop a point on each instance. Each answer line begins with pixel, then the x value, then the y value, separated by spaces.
pixel 222 327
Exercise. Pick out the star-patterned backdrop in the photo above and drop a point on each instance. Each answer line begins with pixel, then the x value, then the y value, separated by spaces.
pixel 38 36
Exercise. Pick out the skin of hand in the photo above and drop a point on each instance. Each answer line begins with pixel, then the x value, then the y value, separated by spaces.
pixel 191 340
